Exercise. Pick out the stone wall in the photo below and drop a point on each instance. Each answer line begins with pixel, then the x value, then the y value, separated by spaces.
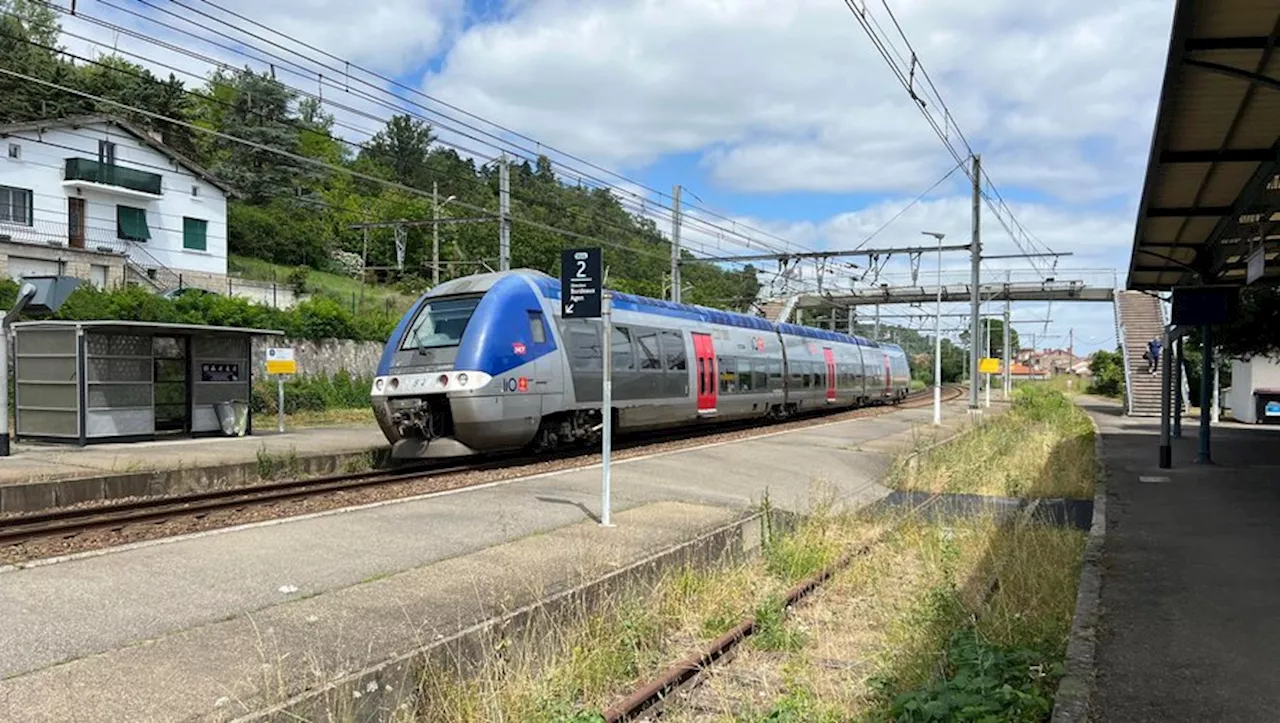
pixel 71 262
pixel 322 358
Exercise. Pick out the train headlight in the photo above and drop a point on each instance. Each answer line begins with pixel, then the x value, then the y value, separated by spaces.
pixel 378 385
pixel 444 380
pixel 462 378
pixel 395 382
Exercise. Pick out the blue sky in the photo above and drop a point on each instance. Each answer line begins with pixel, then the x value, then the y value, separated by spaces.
pixel 782 116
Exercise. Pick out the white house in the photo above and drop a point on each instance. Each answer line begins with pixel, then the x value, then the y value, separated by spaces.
pixel 101 199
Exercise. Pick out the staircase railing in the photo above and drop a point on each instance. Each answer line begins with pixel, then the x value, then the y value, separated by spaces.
pixel 1124 349
pixel 54 234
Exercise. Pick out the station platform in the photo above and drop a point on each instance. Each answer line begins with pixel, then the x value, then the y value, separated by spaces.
pixel 39 476
pixel 220 624
pixel 1190 580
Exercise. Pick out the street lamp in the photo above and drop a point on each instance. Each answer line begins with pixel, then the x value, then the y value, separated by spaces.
pixel 937 337
pixel 436 205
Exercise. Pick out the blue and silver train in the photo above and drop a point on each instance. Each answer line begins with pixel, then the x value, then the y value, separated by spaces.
pixel 485 363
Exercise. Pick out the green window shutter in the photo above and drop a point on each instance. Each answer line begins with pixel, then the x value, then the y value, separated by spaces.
pixel 131 223
pixel 195 234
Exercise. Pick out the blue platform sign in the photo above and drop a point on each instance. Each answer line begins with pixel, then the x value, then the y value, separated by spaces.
pixel 1272 409
pixel 580 283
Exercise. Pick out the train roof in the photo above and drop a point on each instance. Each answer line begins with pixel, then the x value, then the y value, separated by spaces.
pixel 550 288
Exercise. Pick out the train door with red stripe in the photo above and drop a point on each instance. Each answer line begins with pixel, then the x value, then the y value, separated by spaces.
pixel 831 373
pixel 704 353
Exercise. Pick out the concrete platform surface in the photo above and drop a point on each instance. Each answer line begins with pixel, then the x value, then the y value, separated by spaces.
pixel 1191 583
pixel 75 626
pixel 32 461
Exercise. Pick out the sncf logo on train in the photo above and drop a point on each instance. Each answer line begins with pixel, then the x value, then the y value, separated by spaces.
pixel 518 348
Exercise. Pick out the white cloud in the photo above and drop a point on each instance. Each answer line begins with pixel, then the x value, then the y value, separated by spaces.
pixel 792 96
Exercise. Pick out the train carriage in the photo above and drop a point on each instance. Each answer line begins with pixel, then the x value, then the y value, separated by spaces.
pixel 485 363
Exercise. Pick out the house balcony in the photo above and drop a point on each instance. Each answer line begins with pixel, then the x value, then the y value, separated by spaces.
pixel 89 174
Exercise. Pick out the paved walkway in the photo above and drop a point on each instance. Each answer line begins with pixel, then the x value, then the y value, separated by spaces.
pixel 1190 627
pixel 280 605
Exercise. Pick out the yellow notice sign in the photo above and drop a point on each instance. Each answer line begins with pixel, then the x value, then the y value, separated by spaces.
pixel 281 361
pixel 986 365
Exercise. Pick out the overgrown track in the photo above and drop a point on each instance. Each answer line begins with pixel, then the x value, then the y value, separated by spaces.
pixel 70 522
pixel 689 672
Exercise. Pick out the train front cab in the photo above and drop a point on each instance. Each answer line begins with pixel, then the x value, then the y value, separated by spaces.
pixel 466 370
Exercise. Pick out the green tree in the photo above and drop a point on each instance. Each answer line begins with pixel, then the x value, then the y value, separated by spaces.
pixel 401 151
pixel 1108 373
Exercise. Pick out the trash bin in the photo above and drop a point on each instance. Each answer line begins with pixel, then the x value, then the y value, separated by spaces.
pixel 1266 406
pixel 233 417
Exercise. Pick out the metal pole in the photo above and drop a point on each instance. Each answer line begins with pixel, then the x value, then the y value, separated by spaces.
pixel 876 333
pixel 1166 381
pixel 435 234
pixel 987 353
pixel 1007 377
pixel 1176 356
pixel 1203 456
pixel 975 256
pixel 504 214
pixel 675 244
pixel 4 386
pixel 280 402
pixel 606 407
pixel 937 345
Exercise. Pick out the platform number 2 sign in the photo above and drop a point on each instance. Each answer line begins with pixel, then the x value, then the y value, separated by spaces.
pixel 580 283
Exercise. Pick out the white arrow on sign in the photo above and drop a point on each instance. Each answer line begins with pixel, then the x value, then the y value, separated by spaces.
pixel 568 308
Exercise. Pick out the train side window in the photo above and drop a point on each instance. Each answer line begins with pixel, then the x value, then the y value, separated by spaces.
pixel 647 345
pixel 623 359
pixel 584 345
pixel 744 375
pixel 702 375
pixel 728 375
pixel 673 347
pixel 536 330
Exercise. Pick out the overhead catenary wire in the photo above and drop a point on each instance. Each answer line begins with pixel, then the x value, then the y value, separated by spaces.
pixel 941 127
pixel 303 127
pixel 499 143
pixel 304 159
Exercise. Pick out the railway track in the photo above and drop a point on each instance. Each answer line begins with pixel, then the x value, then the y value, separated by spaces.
pixel 67 523
pixel 689 672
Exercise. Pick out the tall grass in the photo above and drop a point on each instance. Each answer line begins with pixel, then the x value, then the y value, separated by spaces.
pixel 1044 445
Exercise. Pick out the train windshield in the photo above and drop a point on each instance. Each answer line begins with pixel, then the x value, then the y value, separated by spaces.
pixel 440 323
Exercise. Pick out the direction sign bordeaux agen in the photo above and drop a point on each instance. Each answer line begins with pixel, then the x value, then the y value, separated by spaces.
pixel 580 285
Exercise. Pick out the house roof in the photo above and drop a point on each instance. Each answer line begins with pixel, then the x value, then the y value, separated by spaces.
pixel 1212 187
pixel 124 125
